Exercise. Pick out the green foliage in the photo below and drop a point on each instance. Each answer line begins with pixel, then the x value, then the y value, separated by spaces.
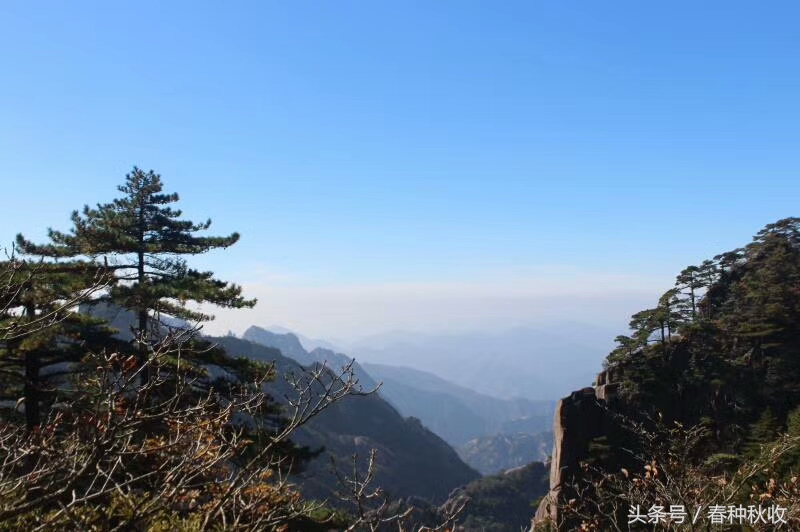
pixel 762 432
pixel 102 448
pixel 141 237
pixel 720 351
pixel 793 422
pixel 738 348
pixel 600 450
pixel 39 327
pixel 504 502
pixel 790 464
pixel 718 463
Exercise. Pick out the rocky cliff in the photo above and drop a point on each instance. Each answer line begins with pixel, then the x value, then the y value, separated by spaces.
pixel 711 370
pixel 579 419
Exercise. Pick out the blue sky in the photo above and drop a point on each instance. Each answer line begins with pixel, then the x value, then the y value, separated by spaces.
pixel 427 157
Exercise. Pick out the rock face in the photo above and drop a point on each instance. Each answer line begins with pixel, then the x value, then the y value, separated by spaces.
pixel 579 418
pixel 607 382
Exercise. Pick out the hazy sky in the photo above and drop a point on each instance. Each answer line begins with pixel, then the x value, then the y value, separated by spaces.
pixel 415 164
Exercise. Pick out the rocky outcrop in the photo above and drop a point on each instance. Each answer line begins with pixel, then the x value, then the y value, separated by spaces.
pixel 607 383
pixel 579 418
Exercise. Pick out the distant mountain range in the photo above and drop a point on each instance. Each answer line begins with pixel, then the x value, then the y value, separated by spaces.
pixel 289 345
pixel 411 460
pixel 454 412
pixel 309 344
pixel 539 362
pixel 359 424
pixel 490 434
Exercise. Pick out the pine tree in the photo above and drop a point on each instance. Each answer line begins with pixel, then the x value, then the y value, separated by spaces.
pixel 142 239
pixel 668 314
pixel 689 282
pixel 626 346
pixel 39 327
pixel 643 324
pixel 762 432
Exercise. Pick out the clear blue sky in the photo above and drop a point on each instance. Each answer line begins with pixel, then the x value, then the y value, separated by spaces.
pixel 570 145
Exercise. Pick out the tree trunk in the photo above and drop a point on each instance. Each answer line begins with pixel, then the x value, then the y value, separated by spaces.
pixel 31 388
pixel 31 391
pixel 142 333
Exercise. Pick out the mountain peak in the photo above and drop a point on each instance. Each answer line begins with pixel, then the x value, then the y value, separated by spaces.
pixel 290 345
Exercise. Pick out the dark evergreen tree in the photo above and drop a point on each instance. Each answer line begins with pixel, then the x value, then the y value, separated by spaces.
pixel 139 242
pixel 668 314
pixel 643 324
pixel 761 432
pixel 689 282
pixel 786 228
pixel 626 346
pixel 39 328
pixel 663 319
pixel 725 262
pixel 142 238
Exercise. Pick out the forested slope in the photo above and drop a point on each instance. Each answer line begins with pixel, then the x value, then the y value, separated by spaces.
pixel 705 385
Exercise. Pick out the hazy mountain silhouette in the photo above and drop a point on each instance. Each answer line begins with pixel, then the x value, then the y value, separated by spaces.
pixel 456 413
pixel 540 362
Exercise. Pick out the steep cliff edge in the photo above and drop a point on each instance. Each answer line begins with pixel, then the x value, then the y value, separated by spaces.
pixel 706 380
pixel 579 419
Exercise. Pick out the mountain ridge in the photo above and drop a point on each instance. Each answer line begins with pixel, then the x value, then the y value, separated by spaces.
pixel 411 460
pixel 289 345
pixel 517 362
pixel 457 413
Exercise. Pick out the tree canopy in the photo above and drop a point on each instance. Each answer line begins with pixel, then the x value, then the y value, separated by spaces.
pixel 143 239
pixel 197 444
